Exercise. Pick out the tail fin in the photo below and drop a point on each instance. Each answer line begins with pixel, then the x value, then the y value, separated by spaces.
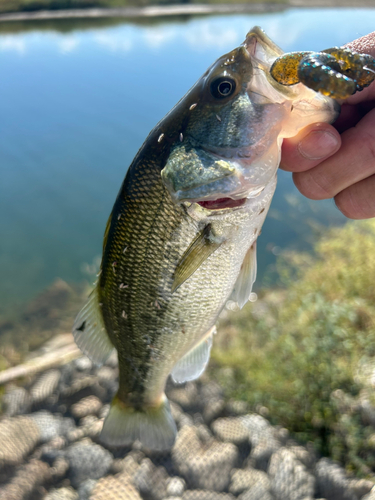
pixel 154 427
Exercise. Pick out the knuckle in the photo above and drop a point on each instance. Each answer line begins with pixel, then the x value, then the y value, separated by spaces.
pixel 313 185
pixel 368 140
pixel 345 208
pixel 354 207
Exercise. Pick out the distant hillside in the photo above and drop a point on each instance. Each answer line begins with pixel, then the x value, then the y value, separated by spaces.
pixel 34 5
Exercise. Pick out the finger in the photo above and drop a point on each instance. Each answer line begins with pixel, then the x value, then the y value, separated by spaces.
pixel 364 44
pixel 354 161
pixel 309 147
pixel 358 201
pixel 349 117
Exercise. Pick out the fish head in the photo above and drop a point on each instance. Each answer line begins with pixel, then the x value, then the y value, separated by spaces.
pixel 231 124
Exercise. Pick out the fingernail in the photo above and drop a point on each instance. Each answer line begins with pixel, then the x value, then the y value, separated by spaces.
pixel 317 145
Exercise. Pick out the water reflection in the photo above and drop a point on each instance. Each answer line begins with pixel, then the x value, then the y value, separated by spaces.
pixel 78 99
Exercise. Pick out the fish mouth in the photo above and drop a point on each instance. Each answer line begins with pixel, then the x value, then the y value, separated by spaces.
pixel 221 203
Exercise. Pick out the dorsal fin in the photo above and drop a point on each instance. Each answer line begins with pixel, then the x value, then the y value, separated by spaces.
pixel 106 231
pixel 89 331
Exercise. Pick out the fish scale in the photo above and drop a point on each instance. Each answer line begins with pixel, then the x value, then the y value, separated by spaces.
pixel 150 257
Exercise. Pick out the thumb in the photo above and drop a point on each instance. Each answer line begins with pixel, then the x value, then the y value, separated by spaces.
pixel 309 147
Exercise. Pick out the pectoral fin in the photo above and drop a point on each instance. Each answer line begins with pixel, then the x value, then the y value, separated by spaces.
pixel 193 364
pixel 244 284
pixel 201 248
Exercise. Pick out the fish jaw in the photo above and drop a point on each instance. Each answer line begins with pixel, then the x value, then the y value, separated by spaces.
pixel 306 105
pixel 235 179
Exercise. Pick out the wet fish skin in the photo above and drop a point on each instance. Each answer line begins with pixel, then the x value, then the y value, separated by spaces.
pixel 170 263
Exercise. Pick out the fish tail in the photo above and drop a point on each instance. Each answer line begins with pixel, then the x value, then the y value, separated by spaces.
pixel 153 426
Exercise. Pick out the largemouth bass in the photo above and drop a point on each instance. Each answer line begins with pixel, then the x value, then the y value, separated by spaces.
pixel 181 238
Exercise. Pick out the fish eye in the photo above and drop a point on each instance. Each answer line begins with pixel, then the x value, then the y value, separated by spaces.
pixel 222 87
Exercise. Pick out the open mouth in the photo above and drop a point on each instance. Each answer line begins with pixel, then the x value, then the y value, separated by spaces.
pixel 221 203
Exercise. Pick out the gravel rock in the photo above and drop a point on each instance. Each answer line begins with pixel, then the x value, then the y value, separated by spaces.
pixel 257 492
pixel 45 386
pixel 230 430
pixel 176 411
pixel 303 455
pixel 289 477
pixel 367 411
pixel 237 408
pixel 209 390
pixel 128 464
pixel 51 426
pixel 360 487
pixel 107 378
pixel 175 486
pixel 263 440
pixel 332 482
pixel 16 401
pixel 87 420
pixel 370 496
pixel 112 361
pixel 204 434
pixel 18 436
pixel 151 481
pixel 104 411
pixel 187 443
pixel 87 406
pixel 105 374
pixel 202 460
pixel 87 461
pixel 85 489
pixel 206 495
pixel 59 468
pixel 62 494
pixel 244 479
pixel 83 364
pixel 186 396
pixel 185 420
pixel 117 487
pixel 27 479
pixel 282 434
pixel 204 468
pixel 213 409
pixel 261 453
pixel 49 451
pixel 256 426
pixel 77 385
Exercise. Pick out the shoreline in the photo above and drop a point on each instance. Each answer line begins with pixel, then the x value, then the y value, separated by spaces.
pixel 178 10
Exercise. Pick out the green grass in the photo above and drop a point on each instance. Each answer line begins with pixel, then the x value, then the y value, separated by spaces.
pixel 298 351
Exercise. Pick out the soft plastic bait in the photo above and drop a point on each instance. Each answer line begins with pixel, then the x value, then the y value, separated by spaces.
pixel 335 72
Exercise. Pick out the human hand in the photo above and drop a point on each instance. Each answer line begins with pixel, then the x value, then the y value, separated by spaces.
pixel 338 161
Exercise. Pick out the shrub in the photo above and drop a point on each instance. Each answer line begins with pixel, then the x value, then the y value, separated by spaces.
pixel 295 350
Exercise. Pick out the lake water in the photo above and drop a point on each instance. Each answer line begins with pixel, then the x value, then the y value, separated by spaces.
pixel 76 102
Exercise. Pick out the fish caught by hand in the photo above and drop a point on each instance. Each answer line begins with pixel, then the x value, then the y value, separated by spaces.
pixel 181 239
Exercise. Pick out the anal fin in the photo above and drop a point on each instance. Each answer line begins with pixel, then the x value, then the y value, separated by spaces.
pixel 244 284
pixel 89 331
pixel 193 364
